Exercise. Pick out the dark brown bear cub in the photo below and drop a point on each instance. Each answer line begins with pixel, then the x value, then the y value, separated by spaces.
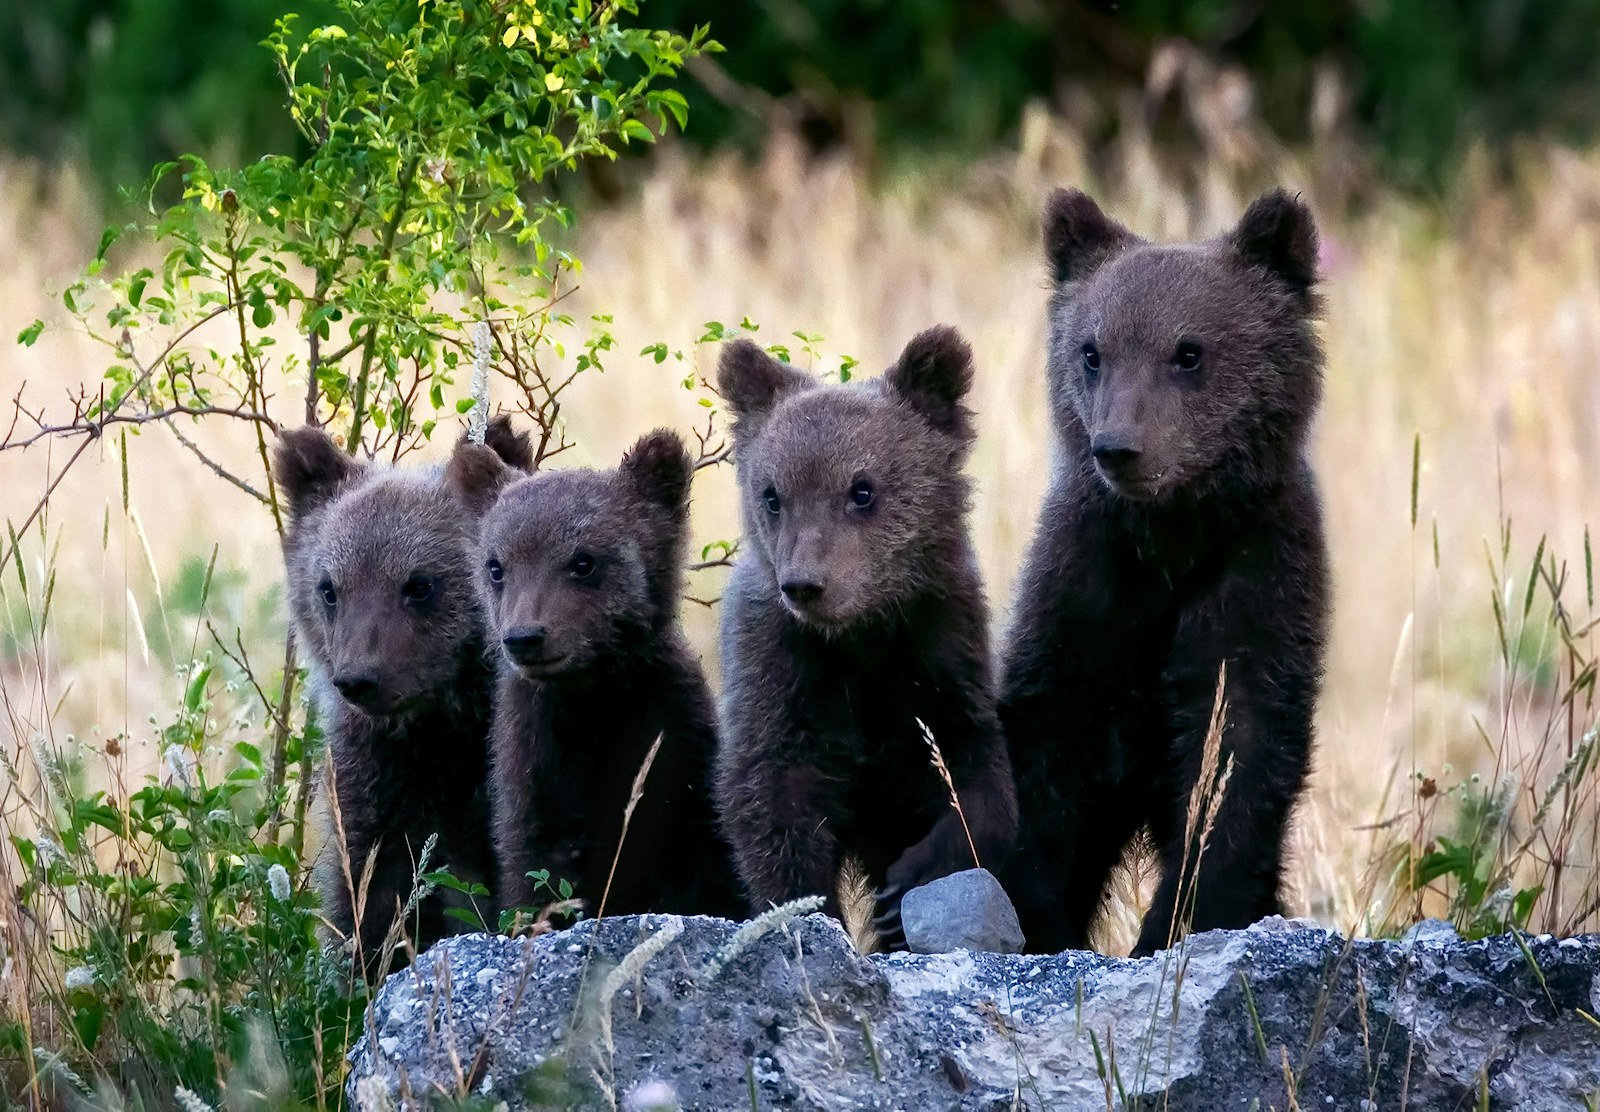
pixel 382 587
pixel 583 571
pixel 1182 532
pixel 855 612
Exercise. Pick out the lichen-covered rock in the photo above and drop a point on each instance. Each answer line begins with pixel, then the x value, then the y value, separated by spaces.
pixel 963 911
pixel 661 1011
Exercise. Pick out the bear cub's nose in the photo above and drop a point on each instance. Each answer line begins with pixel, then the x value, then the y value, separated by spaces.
pixel 358 687
pixel 525 643
pixel 1115 451
pixel 801 591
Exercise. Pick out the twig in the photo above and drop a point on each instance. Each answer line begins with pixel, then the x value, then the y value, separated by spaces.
pixel 92 427
pixel 217 469
pixel 18 534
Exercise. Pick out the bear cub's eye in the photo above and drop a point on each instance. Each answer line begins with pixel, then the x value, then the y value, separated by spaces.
pixel 325 589
pixel 1187 356
pixel 497 573
pixel 582 566
pixel 861 493
pixel 1091 361
pixel 419 588
pixel 771 498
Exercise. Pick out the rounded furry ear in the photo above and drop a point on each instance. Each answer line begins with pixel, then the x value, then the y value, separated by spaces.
pixel 310 468
pixel 476 474
pixel 1279 233
pixel 658 469
pixel 932 375
pixel 515 448
pixel 751 381
pixel 1078 237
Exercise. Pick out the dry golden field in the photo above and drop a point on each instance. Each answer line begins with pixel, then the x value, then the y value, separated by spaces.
pixel 1472 322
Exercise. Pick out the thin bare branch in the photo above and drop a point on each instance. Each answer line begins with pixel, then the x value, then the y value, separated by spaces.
pixel 217 469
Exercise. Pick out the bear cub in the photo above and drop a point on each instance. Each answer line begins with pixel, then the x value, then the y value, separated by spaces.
pixel 381 567
pixel 583 572
pixel 1181 540
pixel 854 617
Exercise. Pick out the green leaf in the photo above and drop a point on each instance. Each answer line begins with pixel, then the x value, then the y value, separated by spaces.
pixel 31 333
pixel 109 236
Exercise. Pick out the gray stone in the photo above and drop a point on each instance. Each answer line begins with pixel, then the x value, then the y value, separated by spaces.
pixel 1430 932
pixel 964 911
pixel 641 1011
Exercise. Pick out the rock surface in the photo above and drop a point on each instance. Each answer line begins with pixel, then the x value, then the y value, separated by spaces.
pixel 661 1011
pixel 963 911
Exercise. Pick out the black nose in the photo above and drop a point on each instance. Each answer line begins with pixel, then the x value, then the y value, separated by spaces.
pixel 358 687
pixel 525 640
pixel 801 591
pixel 1116 451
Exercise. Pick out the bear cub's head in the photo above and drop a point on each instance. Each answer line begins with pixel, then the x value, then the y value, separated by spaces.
pixel 1183 367
pixel 579 565
pixel 381 569
pixel 852 495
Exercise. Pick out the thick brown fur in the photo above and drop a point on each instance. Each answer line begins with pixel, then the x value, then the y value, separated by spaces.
pixel 856 609
pixel 381 569
pixel 582 572
pixel 1182 531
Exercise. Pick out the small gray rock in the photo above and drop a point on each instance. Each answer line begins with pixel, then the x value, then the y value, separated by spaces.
pixel 1434 932
pixel 963 911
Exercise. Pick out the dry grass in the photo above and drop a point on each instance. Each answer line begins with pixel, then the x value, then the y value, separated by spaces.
pixel 1475 325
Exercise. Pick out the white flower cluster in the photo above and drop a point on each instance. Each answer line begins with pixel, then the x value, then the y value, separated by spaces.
pixel 190 1101
pixel 180 762
pixel 278 882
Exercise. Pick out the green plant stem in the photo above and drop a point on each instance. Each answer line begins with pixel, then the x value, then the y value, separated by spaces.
pixel 369 349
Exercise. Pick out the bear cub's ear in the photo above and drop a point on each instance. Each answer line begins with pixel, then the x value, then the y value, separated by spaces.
pixel 1078 237
pixel 310 468
pixel 658 469
pixel 516 448
pixel 476 474
pixel 932 375
pixel 1279 233
pixel 752 381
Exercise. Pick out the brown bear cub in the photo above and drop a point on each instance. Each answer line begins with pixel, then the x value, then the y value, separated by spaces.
pixel 1182 533
pixel 382 587
pixel 855 612
pixel 583 571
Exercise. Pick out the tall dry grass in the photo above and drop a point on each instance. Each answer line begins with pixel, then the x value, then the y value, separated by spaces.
pixel 1472 323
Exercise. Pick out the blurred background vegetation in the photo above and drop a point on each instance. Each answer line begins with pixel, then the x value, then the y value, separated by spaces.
pixel 122 84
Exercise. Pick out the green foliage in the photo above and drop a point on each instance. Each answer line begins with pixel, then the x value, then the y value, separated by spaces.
pixel 1492 853
pixel 184 927
pixel 1471 864
pixel 1425 78
pixel 134 83
pixel 431 129
pixel 127 84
